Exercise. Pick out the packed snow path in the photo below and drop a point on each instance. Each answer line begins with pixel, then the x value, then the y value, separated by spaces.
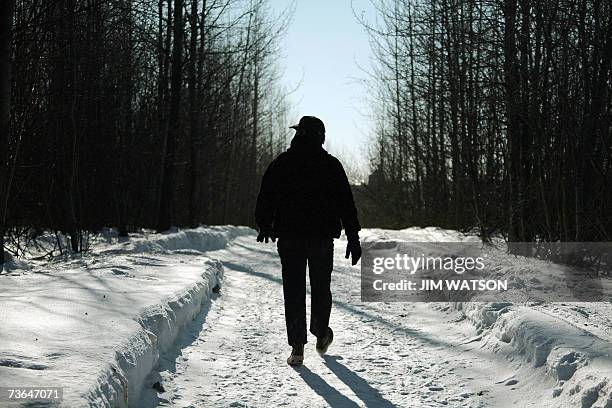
pixel 383 355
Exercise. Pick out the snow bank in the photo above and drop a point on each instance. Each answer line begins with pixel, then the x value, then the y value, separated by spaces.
pixel 578 361
pixel 571 342
pixel 188 241
pixel 96 325
pixel 12 264
pixel 575 350
pixel 160 323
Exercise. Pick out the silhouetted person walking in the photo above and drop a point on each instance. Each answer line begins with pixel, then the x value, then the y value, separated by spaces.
pixel 305 200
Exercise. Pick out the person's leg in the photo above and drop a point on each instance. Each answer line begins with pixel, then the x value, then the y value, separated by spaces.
pixel 320 266
pixel 293 260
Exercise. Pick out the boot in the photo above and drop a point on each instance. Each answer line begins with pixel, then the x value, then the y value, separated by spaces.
pixel 297 355
pixel 324 342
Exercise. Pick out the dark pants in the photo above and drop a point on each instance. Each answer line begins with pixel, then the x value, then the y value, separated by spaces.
pixel 294 254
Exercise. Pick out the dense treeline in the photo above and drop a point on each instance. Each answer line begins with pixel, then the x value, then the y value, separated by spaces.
pixel 135 113
pixel 494 115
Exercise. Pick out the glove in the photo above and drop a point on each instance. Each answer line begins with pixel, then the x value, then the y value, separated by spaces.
pixel 353 248
pixel 265 234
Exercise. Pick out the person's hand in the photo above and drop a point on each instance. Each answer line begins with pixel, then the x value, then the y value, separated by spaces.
pixel 264 235
pixel 353 248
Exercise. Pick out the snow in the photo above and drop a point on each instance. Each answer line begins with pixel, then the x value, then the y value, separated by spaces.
pixel 569 342
pixel 137 322
pixel 96 324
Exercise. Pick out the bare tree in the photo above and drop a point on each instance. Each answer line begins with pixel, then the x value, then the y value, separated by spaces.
pixel 6 28
pixel 136 113
pixel 493 116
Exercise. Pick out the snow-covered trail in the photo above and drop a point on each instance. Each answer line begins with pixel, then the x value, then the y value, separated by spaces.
pixel 383 355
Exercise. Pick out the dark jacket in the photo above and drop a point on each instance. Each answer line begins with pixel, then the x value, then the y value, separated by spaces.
pixel 305 192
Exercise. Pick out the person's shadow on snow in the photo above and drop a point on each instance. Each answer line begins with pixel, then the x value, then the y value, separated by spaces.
pixel 331 395
pixel 369 395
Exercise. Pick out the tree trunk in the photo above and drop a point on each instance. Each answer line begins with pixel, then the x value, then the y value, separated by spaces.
pixel 511 76
pixel 194 120
pixel 166 210
pixel 6 28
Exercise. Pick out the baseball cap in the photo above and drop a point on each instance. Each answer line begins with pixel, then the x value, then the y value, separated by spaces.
pixel 310 123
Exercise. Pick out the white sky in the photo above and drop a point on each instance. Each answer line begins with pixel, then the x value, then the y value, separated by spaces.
pixel 323 49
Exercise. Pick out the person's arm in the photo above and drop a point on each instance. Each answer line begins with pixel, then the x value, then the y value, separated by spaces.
pixel 348 216
pixel 348 211
pixel 266 206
